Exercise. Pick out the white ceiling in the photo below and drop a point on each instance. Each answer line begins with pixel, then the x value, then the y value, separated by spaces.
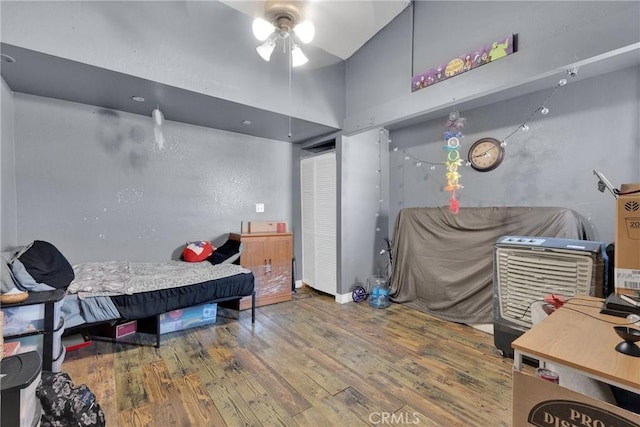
pixel 342 26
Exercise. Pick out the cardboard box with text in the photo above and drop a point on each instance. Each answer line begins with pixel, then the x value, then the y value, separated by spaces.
pixel 537 402
pixel 627 245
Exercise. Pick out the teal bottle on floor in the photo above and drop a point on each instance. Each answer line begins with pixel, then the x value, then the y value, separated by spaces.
pixel 379 292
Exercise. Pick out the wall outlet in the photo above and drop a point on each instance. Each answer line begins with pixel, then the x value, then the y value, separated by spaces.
pixel 259 207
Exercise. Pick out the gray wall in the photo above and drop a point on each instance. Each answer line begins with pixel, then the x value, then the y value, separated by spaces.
pixel 363 207
pixel 592 124
pixel 8 211
pixel 93 179
pixel 552 35
pixel 94 183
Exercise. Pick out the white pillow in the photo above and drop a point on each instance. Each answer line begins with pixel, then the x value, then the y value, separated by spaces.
pixel 569 378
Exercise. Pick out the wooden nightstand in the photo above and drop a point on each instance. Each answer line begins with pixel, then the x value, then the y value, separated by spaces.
pixel 269 256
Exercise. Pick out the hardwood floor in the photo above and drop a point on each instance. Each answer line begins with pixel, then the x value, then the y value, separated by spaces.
pixel 307 362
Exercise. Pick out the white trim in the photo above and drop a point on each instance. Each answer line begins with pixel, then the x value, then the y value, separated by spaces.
pixel 344 298
pixel 298 284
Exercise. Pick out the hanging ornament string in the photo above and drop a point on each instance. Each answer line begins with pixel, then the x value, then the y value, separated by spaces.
pixel 419 162
pixel 543 109
pixel 453 136
pixel 289 135
pixel 384 132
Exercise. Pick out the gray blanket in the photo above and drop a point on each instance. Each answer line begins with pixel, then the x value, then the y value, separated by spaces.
pixel 443 263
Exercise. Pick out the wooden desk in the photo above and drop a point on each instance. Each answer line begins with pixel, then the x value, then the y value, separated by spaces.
pixel 571 338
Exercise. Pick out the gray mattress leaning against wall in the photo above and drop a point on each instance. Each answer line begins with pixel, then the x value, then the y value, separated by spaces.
pixel 443 263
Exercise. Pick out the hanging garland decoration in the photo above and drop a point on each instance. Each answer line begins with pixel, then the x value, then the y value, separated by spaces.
pixel 543 109
pixel 384 132
pixel 453 136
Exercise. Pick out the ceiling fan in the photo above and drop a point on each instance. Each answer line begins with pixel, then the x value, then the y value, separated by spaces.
pixel 283 20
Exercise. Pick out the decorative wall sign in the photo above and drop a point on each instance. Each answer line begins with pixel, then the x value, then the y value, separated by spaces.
pixel 488 53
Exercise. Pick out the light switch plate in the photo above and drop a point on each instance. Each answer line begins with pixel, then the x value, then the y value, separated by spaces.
pixel 259 207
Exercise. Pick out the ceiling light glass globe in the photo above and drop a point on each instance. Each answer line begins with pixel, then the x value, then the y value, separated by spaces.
pixel 266 49
pixel 262 29
pixel 305 31
pixel 298 57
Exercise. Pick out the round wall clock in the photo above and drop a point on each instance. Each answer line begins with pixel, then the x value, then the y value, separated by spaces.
pixel 486 154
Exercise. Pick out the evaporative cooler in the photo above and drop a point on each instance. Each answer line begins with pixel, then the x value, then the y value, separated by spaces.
pixel 528 268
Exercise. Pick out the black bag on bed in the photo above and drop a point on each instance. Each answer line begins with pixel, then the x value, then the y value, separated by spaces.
pixel 44 263
pixel 65 405
pixel 229 252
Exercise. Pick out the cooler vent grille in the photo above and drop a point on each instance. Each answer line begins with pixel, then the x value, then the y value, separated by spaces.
pixel 526 276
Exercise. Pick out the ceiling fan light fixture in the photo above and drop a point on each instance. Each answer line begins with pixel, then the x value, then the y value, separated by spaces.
pixel 262 29
pixel 305 31
pixel 297 56
pixel 266 49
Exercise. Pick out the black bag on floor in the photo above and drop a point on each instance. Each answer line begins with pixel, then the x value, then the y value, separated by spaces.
pixel 66 405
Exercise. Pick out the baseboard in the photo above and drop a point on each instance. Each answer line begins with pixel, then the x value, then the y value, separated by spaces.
pixel 344 298
pixel 299 283
pixel 484 327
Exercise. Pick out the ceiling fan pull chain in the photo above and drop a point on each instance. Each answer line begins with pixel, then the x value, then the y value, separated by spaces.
pixel 290 66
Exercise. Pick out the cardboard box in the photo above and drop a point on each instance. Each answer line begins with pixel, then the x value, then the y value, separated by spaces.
pixel 267 227
pixel 119 330
pixel 189 317
pixel 124 329
pixel 537 402
pixel 627 248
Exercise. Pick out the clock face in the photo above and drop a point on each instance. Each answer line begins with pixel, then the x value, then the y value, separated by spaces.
pixel 486 154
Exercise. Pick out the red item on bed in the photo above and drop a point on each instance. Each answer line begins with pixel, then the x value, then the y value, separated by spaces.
pixel 197 251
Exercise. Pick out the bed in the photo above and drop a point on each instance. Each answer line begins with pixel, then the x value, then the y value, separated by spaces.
pixel 101 292
pixel 109 291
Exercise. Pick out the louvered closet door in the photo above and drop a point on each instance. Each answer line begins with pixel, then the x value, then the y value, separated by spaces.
pixel 318 176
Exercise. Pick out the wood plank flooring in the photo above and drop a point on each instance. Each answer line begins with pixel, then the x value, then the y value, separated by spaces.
pixel 307 362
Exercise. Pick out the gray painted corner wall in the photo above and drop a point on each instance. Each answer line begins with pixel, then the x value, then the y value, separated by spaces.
pixel 201 46
pixel 363 212
pixel 551 37
pixel 296 225
pixel 93 182
pixel 8 211
pixel 96 184
pixel 592 124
